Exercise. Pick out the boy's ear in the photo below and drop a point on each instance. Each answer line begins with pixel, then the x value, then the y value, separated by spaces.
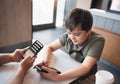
pixel 89 31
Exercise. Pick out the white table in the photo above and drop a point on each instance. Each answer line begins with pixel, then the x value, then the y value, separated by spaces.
pixel 60 60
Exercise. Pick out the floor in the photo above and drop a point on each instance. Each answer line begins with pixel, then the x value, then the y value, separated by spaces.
pixel 49 35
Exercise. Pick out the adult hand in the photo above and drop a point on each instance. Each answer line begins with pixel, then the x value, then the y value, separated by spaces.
pixel 26 63
pixel 18 54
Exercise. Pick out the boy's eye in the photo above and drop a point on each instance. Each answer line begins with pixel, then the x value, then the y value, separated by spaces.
pixel 77 34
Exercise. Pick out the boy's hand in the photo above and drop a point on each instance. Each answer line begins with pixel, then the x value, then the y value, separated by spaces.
pixel 43 63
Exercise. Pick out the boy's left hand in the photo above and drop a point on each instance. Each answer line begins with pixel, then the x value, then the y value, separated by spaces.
pixel 52 75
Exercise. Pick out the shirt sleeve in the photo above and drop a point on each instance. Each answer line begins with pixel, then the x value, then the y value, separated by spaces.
pixel 63 38
pixel 96 48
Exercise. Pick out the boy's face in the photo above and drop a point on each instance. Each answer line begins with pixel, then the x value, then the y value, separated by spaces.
pixel 78 36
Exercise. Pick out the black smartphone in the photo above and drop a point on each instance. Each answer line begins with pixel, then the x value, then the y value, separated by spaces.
pixel 33 49
pixel 42 70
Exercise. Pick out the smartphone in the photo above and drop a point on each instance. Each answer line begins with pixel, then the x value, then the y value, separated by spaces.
pixel 33 49
pixel 42 70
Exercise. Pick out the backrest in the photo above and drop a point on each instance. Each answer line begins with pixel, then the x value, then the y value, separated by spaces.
pixel 111 51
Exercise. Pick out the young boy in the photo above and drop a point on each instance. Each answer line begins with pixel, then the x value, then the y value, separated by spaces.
pixel 82 44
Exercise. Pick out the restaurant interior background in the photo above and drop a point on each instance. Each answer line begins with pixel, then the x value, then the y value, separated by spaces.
pixel 20 19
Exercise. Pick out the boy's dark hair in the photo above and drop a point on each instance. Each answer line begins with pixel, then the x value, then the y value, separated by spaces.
pixel 79 17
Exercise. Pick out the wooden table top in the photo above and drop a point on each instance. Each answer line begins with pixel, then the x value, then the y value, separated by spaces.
pixel 89 80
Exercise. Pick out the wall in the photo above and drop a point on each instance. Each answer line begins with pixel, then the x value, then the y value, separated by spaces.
pixel 106 20
pixel 15 23
pixel 102 19
pixel 83 4
pixel 69 6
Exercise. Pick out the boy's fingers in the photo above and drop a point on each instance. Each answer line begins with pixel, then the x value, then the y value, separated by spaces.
pixel 47 69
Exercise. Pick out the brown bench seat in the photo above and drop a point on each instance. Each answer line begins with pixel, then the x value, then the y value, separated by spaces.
pixel 111 51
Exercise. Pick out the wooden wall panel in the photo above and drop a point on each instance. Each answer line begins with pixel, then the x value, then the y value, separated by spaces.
pixel 15 21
